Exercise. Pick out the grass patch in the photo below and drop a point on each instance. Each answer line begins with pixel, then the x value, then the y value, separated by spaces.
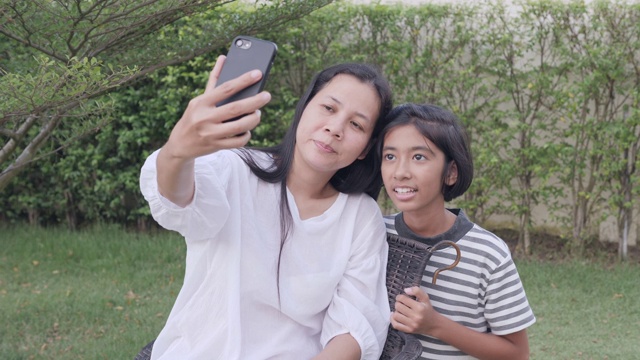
pixel 584 310
pixel 104 293
pixel 96 294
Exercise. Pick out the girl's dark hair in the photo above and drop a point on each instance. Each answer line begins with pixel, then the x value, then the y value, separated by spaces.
pixel 446 132
pixel 360 176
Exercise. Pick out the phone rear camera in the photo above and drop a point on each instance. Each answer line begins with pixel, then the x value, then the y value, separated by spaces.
pixel 243 44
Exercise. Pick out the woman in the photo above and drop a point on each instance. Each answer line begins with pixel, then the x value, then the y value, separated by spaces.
pixel 286 246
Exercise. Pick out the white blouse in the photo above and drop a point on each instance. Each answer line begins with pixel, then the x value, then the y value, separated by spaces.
pixel 231 305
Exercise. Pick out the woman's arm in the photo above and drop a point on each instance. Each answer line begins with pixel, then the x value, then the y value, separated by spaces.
pixel 175 178
pixel 359 305
pixel 341 347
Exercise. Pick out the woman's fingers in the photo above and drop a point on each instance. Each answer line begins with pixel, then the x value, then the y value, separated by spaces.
pixel 217 92
pixel 229 88
pixel 233 129
pixel 214 75
pixel 205 127
pixel 191 140
pixel 242 107
pixel 214 95
pixel 236 140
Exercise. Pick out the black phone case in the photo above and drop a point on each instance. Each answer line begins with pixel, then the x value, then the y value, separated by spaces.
pixel 241 59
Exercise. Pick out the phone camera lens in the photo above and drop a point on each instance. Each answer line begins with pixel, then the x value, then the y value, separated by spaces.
pixel 243 43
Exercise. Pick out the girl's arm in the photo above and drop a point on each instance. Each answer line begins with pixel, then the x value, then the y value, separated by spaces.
pixel 341 347
pixel 418 316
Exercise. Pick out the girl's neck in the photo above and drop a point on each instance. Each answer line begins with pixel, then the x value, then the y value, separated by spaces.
pixel 429 223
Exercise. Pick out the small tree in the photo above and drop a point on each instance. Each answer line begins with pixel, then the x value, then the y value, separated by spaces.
pixel 527 71
pixel 593 99
pixel 64 54
pixel 622 26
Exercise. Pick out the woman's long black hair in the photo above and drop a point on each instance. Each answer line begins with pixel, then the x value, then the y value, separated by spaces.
pixel 360 176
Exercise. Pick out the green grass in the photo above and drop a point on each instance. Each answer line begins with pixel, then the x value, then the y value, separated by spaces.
pixel 98 294
pixel 583 310
pixel 104 293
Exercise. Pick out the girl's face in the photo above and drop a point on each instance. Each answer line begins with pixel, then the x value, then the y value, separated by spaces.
pixel 336 126
pixel 412 168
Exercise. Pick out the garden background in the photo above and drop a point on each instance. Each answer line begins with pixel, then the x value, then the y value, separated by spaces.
pixel 548 90
pixel 549 94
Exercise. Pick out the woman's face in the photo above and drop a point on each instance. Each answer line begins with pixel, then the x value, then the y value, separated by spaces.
pixel 336 126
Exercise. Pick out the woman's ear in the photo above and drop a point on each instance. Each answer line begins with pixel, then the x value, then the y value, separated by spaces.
pixel 452 174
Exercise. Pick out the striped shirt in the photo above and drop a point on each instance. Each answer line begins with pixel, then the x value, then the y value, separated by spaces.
pixel 483 292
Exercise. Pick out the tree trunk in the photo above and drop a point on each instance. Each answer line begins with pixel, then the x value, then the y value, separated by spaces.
pixel 34 216
pixel 626 214
pixel 70 211
pixel 579 220
pixel 527 235
pixel 624 241
pixel 524 238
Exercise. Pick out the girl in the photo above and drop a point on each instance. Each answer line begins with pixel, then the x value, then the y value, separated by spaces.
pixel 479 309
pixel 286 252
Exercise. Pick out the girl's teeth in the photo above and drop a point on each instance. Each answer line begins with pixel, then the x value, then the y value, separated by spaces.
pixel 404 191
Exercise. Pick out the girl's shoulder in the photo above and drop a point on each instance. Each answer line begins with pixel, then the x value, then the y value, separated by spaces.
pixel 390 223
pixel 486 242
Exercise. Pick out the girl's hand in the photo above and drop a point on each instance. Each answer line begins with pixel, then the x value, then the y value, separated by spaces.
pixel 203 128
pixel 419 317
pixel 414 316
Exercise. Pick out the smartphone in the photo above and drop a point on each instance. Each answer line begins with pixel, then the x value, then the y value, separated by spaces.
pixel 245 54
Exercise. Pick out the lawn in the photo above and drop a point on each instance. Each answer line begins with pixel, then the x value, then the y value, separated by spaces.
pixel 104 293
pixel 98 294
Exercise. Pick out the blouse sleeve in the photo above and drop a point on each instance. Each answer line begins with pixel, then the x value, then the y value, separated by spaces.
pixel 208 210
pixel 360 306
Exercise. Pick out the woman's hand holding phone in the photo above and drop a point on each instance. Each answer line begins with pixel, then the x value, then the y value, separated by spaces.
pixel 224 115
pixel 221 118
pixel 204 127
